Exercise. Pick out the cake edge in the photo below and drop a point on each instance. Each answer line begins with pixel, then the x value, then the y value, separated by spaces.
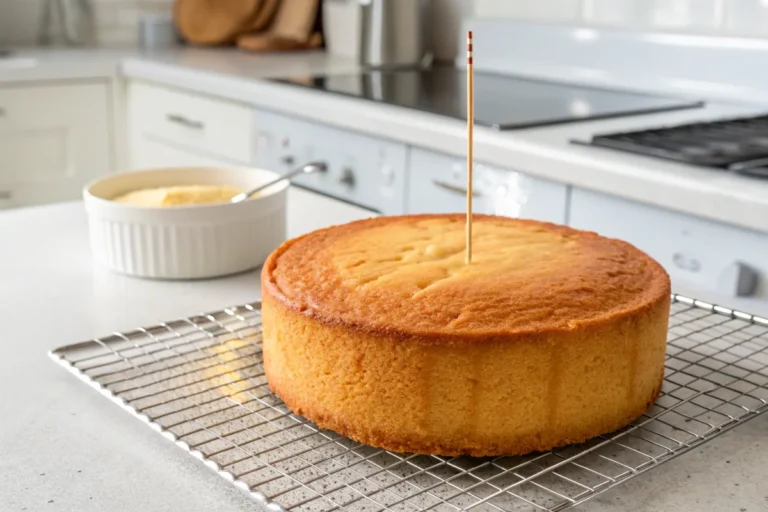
pixel 270 287
pixel 384 442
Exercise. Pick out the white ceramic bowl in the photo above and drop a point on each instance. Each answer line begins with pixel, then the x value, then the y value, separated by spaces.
pixel 185 242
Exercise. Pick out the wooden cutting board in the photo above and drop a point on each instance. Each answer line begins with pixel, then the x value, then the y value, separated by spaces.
pixel 268 42
pixel 214 22
pixel 295 19
pixel 292 29
pixel 263 16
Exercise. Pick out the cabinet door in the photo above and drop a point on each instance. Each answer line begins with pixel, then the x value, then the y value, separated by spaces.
pixel 708 260
pixel 191 121
pixel 437 184
pixel 147 153
pixel 53 140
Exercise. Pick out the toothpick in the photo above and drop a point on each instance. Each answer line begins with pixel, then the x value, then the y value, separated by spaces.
pixel 470 126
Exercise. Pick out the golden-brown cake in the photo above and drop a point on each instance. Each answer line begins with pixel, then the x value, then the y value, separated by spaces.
pixel 379 331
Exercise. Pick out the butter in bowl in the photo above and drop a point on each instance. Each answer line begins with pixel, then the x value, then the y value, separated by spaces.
pixel 178 223
pixel 179 195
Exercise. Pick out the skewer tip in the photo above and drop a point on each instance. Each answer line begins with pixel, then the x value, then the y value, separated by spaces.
pixel 469 47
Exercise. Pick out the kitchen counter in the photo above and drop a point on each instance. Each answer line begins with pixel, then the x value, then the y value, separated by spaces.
pixel 545 152
pixel 65 447
pixel 36 64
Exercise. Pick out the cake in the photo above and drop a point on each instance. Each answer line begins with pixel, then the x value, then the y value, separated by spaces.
pixel 379 331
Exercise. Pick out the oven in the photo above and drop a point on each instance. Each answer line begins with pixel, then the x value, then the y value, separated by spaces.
pixel 366 176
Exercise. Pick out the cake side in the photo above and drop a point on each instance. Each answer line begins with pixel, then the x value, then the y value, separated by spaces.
pixel 531 393
pixel 377 330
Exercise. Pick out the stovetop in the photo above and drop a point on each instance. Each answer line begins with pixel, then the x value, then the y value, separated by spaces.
pixel 501 102
pixel 739 145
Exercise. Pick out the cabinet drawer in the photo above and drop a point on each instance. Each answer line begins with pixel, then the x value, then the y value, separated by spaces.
pixel 208 125
pixel 437 184
pixel 717 262
pixel 147 153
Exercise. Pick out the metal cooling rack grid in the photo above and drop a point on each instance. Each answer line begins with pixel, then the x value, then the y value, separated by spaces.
pixel 199 381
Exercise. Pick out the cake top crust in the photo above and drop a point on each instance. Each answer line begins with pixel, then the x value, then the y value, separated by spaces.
pixel 407 275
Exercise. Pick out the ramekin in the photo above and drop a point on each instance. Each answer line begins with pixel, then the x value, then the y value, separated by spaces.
pixel 185 242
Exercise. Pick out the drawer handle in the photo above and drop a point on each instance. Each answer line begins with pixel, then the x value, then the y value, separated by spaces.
pixel 183 121
pixel 5 195
pixel 454 188
pixel 684 263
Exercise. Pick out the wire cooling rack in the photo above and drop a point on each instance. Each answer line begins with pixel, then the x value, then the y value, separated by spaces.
pixel 200 382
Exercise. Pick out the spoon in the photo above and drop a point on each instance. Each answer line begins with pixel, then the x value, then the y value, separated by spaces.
pixel 304 169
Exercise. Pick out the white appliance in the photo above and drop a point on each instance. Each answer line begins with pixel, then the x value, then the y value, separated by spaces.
pixel 379 33
pixel 365 176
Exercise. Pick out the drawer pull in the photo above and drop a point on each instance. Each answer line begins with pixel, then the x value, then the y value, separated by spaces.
pixel 455 188
pixel 5 195
pixel 183 121
pixel 685 263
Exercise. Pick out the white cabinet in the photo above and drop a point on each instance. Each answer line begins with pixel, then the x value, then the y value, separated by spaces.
pixel 148 153
pixel 437 184
pixel 53 140
pixel 166 123
pixel 707 260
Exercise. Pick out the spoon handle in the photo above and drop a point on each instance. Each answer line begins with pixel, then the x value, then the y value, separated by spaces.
pixel 304 169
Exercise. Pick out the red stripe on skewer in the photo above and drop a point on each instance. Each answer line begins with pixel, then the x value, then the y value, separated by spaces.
pixel 469 60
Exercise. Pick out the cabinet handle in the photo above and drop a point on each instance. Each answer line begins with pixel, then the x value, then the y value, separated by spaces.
pixel 188 123
pixel 2 111
pixel 5 195
pixel 455 188
pixel 683 262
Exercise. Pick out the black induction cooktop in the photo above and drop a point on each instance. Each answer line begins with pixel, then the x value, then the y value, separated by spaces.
pixel 739 145
pixel 501 102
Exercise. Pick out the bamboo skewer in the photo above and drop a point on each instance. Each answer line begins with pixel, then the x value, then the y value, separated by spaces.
pixel 470 126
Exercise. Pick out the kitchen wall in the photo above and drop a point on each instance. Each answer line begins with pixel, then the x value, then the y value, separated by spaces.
pixel 733 17
pixel 116 20
pixel 747 18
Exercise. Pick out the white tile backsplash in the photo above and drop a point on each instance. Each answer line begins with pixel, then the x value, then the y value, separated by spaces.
pixel 555 10
pixel 733 17
pixel 19 21
pixel 747 17
pixel 696 15
pixel 116 20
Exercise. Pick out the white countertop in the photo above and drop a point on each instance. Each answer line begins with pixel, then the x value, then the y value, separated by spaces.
pixel 545 152
pixel 65 447
pixel 35 64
